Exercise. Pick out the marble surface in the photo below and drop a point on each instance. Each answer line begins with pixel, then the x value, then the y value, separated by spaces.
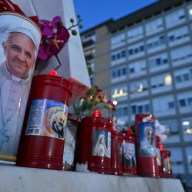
pixel 20 179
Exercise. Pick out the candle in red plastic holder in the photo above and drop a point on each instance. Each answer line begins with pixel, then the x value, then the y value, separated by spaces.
pixel 42 139
pixel 129 153
pixel 166 162
pixel 145 141
pixel 94 145
pixel 116 153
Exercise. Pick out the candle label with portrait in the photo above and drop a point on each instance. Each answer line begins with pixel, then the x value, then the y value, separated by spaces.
pixel 129 154
pixel 47 118
pixel 147 139
pixel 101 144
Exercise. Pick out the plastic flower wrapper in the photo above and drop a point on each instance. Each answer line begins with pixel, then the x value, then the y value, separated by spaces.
pixel 94 98
pixel 160 130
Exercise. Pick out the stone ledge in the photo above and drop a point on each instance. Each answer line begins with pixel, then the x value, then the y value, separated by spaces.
pixel 20 179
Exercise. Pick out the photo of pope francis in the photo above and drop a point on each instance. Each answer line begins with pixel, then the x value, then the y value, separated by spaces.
pixel 20 51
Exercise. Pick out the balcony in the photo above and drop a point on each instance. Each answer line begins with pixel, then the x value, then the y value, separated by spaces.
pixel 88 41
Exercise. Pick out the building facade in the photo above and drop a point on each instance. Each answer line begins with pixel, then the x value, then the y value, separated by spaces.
pixel 144 62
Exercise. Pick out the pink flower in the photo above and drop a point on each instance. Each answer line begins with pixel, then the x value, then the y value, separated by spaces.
pixel 48 27
pixel 54 37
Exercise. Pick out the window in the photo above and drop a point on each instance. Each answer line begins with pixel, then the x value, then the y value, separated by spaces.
pixel 186 124
pixel 125 111
pixel 179 35
pixel 124 71
pixel 140 107
pixel 158 62
pixel 184 102
pixel 119 92
pixel 189 158
pixel 139 86
pixel 92 81
pixel 171 130
pixel 171 105
pixel 161 81
pixel 189 101
pixel 132 70
pixel 119 74
pixel 121 111
pixel 181 55
pixel 90 34
pixel 189 10
pixel 177 160
pixel 137 68
pixel 186 77
pixel 118 56
pixel 134 109
pixel 156 42
pixel 175 18
pixel 113 74
pixel 117 41
pixel 146 108
pixel 183 78
pixel 154 26
pixel 135 33
pixel 136 49
pixel 121 117
pixel 164 106
pixel 178 79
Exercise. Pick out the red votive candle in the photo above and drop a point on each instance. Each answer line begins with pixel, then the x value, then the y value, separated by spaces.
pixel 94 145
pixel 42 139
pixel 146 150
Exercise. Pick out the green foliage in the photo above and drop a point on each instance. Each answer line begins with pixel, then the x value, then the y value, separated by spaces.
pixel 89 68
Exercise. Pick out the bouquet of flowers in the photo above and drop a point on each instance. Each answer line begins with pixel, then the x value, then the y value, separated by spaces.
pixel 94 98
